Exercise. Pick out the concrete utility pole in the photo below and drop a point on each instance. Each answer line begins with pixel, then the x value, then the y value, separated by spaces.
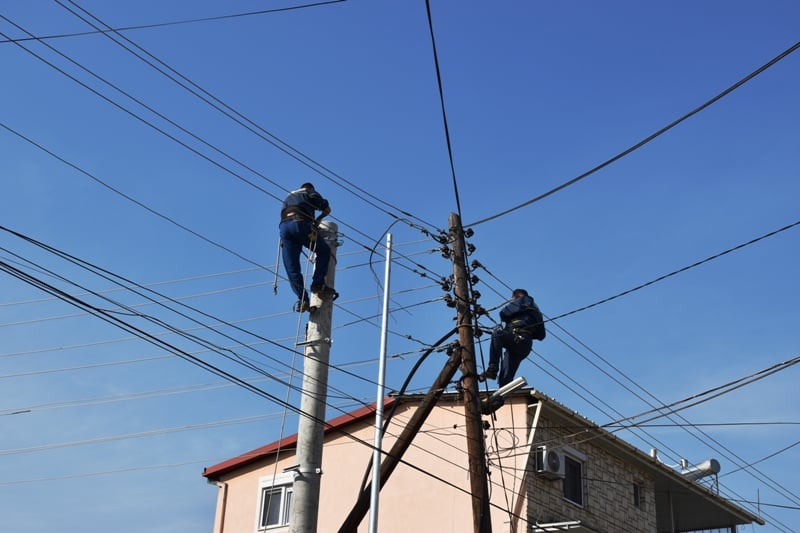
pixel 310 431
pixel 476 450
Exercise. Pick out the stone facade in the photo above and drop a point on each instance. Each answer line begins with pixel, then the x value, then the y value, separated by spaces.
pixel 608 487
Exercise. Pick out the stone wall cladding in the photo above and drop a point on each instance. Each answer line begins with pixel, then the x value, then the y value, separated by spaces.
pixel 608 488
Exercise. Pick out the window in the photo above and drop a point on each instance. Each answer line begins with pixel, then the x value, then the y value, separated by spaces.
pixel 573 480
pixel 275 505
pixel 638 496
pixel 574 466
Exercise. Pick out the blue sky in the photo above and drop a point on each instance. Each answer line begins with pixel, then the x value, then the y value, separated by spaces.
pixel 105 158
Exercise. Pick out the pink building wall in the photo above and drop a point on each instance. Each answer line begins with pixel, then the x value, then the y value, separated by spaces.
pixel 412 500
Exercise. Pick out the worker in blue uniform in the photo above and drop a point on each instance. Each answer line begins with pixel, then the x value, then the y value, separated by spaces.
pixel 513 342
pixel 298 229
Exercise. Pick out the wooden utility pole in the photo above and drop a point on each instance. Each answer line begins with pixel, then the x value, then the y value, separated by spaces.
pixel 479 483
pixel 310 432
pixel 465 356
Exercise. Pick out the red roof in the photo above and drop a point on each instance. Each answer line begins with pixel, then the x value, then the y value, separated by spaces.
pixel 213 472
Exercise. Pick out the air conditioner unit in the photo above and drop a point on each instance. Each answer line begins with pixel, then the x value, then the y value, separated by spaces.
pixel 549 463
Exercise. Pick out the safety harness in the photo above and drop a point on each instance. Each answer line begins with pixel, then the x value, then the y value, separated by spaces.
pixel 294 213
pixel 520 329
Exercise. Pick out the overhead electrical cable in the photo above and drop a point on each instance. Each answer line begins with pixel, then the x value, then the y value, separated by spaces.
pixel 718 446
pixel 163 431
pixel 725 451
pixel 156 113
pixel 176 22
pixel 680 270
pixel 725 389
pixel 164 133
pixel 135 201
pixel 770 456
pixel 597 399
pixel 110 318
pixel 211 275
pixel 244 121
pixel 444 110
pixel 708 395
pixel 50 479
pixel 193 337
pixel 147 122
pixel 110 277
pixel 171 220
pixel 646 140
pixel 758 475
pixel 154 284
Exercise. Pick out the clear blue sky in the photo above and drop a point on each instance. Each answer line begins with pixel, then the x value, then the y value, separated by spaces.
pixel 154 184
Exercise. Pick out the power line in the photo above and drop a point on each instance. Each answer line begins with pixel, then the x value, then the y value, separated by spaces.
pixel 444 110
pixel 132 199
pixel 237 117
pixel 766 479
pixel 680 270
pixel 109 276
pixel 423 272
pixel 173 23
pixel 110 318
pixel 646 140
pixel 102 473
pixel 151 433
pixel 169 136
pixel 155 284
pixel 184 355
pixel 145 121
pixel 770 456
pixel 110 314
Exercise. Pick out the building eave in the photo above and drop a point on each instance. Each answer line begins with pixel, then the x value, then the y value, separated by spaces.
pixel 690 495
pixel 215 472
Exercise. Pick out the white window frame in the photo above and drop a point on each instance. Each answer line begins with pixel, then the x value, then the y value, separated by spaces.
pixel 285 484
pixel 581 458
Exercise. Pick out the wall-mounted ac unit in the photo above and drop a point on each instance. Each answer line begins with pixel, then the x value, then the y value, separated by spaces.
pixel 549 463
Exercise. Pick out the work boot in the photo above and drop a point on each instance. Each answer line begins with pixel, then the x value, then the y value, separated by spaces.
pixel 489 373
pixel 323 290
pixel 300 306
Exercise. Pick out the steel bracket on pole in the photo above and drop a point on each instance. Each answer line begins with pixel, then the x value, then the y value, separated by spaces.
pixel 326 340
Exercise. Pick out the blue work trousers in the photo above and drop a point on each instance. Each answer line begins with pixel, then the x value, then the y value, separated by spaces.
pixel 517 348
pixel 296 234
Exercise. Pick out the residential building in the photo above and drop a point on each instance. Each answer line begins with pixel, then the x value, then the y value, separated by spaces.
pixel 550 470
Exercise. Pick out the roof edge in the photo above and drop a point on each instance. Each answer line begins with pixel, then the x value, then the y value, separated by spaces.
pixel 214 472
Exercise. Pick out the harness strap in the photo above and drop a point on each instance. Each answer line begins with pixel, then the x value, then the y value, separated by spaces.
pixel 294 213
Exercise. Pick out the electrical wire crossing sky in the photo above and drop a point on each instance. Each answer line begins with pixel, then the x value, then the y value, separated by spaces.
pixel 633 166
